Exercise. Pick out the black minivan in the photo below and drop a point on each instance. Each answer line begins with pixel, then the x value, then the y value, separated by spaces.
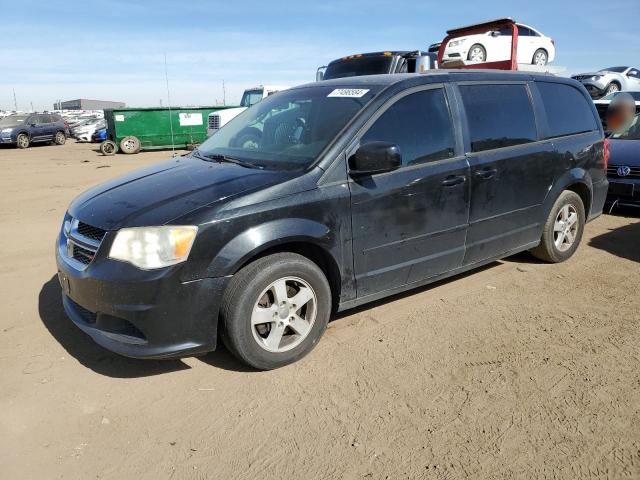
pixel 351 190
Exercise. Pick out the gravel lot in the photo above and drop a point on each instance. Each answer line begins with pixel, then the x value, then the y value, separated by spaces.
pixel 519 370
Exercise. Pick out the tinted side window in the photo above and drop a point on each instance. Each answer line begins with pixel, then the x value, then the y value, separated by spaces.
pixel 524 32
pixel 568 111
pixel 420 124
pixel 498 116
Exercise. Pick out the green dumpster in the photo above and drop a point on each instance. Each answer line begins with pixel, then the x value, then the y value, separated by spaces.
pixel 133 129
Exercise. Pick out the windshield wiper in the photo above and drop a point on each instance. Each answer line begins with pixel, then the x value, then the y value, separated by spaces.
pixel 225 158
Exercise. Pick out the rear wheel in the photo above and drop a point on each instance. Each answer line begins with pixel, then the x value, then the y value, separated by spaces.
pixel 130 145
pixel 563 229
pixel 275 310
pixel 22 141
pixel 540 57
pixel 60 138
pixel 477 53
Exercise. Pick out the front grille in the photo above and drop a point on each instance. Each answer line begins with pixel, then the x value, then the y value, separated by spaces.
pixel 91 232
pixel 83 255
pixel 82 241
pixel 214 122
pixel 612 171
pixel 582 77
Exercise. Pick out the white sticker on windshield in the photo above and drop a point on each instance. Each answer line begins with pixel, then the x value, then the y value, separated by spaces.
pixel 349 92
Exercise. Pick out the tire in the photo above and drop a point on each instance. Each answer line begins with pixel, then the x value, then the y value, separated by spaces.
pixel 540 57
pixel 130 145
pixel 477 51
pixel 22 141
pixel 612 87
pixel 108 147
pixel 556 245
pixel 248 139
pixel 60 138
pixel 252 296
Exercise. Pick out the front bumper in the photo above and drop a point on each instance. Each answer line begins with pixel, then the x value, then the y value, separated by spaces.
pixel 624 192
pixel 137 313
pixel 595 88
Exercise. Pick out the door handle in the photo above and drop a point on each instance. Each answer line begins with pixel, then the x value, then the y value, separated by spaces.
pixel 453 180
pixel 486 173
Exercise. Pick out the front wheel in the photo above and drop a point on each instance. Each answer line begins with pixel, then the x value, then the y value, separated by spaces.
pixel 477 53
pixel 22 141
pixel 275 310
pixel 563 229
pixel 60 138
pixel 612 88
pixel 540 57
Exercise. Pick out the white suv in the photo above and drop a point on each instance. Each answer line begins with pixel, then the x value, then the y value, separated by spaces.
pixel 250 97
pixel 495 45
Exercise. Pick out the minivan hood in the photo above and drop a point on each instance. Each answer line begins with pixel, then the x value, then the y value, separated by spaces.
pixel 624 152
pixel 165 191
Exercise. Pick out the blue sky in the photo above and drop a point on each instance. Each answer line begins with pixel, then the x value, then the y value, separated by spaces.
pixel 114 50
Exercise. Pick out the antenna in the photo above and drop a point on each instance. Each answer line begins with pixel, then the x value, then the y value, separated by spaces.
pixel 166 77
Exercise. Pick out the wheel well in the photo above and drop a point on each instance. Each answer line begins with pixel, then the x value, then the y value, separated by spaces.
pixel 585 195
pixel 313 252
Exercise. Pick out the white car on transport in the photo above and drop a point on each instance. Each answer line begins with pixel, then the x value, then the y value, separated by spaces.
pixel 250 97
pixel 533 46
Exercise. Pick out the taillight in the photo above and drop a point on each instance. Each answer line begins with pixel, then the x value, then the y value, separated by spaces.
pixel 553 42
pixel 606 153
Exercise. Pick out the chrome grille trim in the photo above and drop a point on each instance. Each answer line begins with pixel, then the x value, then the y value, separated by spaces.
pixel 80 249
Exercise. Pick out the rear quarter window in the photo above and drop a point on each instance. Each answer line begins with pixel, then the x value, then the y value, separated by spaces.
pixel 498 115
pixel 568 111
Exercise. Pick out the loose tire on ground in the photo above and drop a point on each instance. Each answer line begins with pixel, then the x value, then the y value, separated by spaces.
pixel 130 145
pixel 22 141
pixel 108 147
pixel 563 229
pixel 60 138
pixel 275 310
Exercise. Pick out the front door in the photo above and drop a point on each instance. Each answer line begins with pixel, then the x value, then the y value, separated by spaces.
pixel 410 224
pixel 510 170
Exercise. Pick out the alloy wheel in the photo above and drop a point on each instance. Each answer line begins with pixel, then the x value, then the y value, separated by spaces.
pixel 565 228
pixel 476 54
pixel 284 314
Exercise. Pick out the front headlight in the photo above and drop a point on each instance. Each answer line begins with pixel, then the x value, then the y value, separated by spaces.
pixel 7 130
pixel 595 78
pixel 455 43
pixel 153 247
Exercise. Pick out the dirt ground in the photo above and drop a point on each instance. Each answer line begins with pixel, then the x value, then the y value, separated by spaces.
pixel 519 370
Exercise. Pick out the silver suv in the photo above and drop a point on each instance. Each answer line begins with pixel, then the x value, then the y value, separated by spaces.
pixel 609 80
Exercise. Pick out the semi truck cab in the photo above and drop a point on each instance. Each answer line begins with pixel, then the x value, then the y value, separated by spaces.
pixel 250 97
pixel 375 63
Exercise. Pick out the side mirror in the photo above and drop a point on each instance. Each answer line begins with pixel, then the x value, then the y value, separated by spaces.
pixel 320 73
pixel 494 33
pixel 375 157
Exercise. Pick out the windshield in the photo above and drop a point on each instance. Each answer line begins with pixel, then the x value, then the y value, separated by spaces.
pixel 289 130
pixel 614 69
pixel 630 133
pixel 13 120
pixel 250 97
pixel 370 65
pixel 611 96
